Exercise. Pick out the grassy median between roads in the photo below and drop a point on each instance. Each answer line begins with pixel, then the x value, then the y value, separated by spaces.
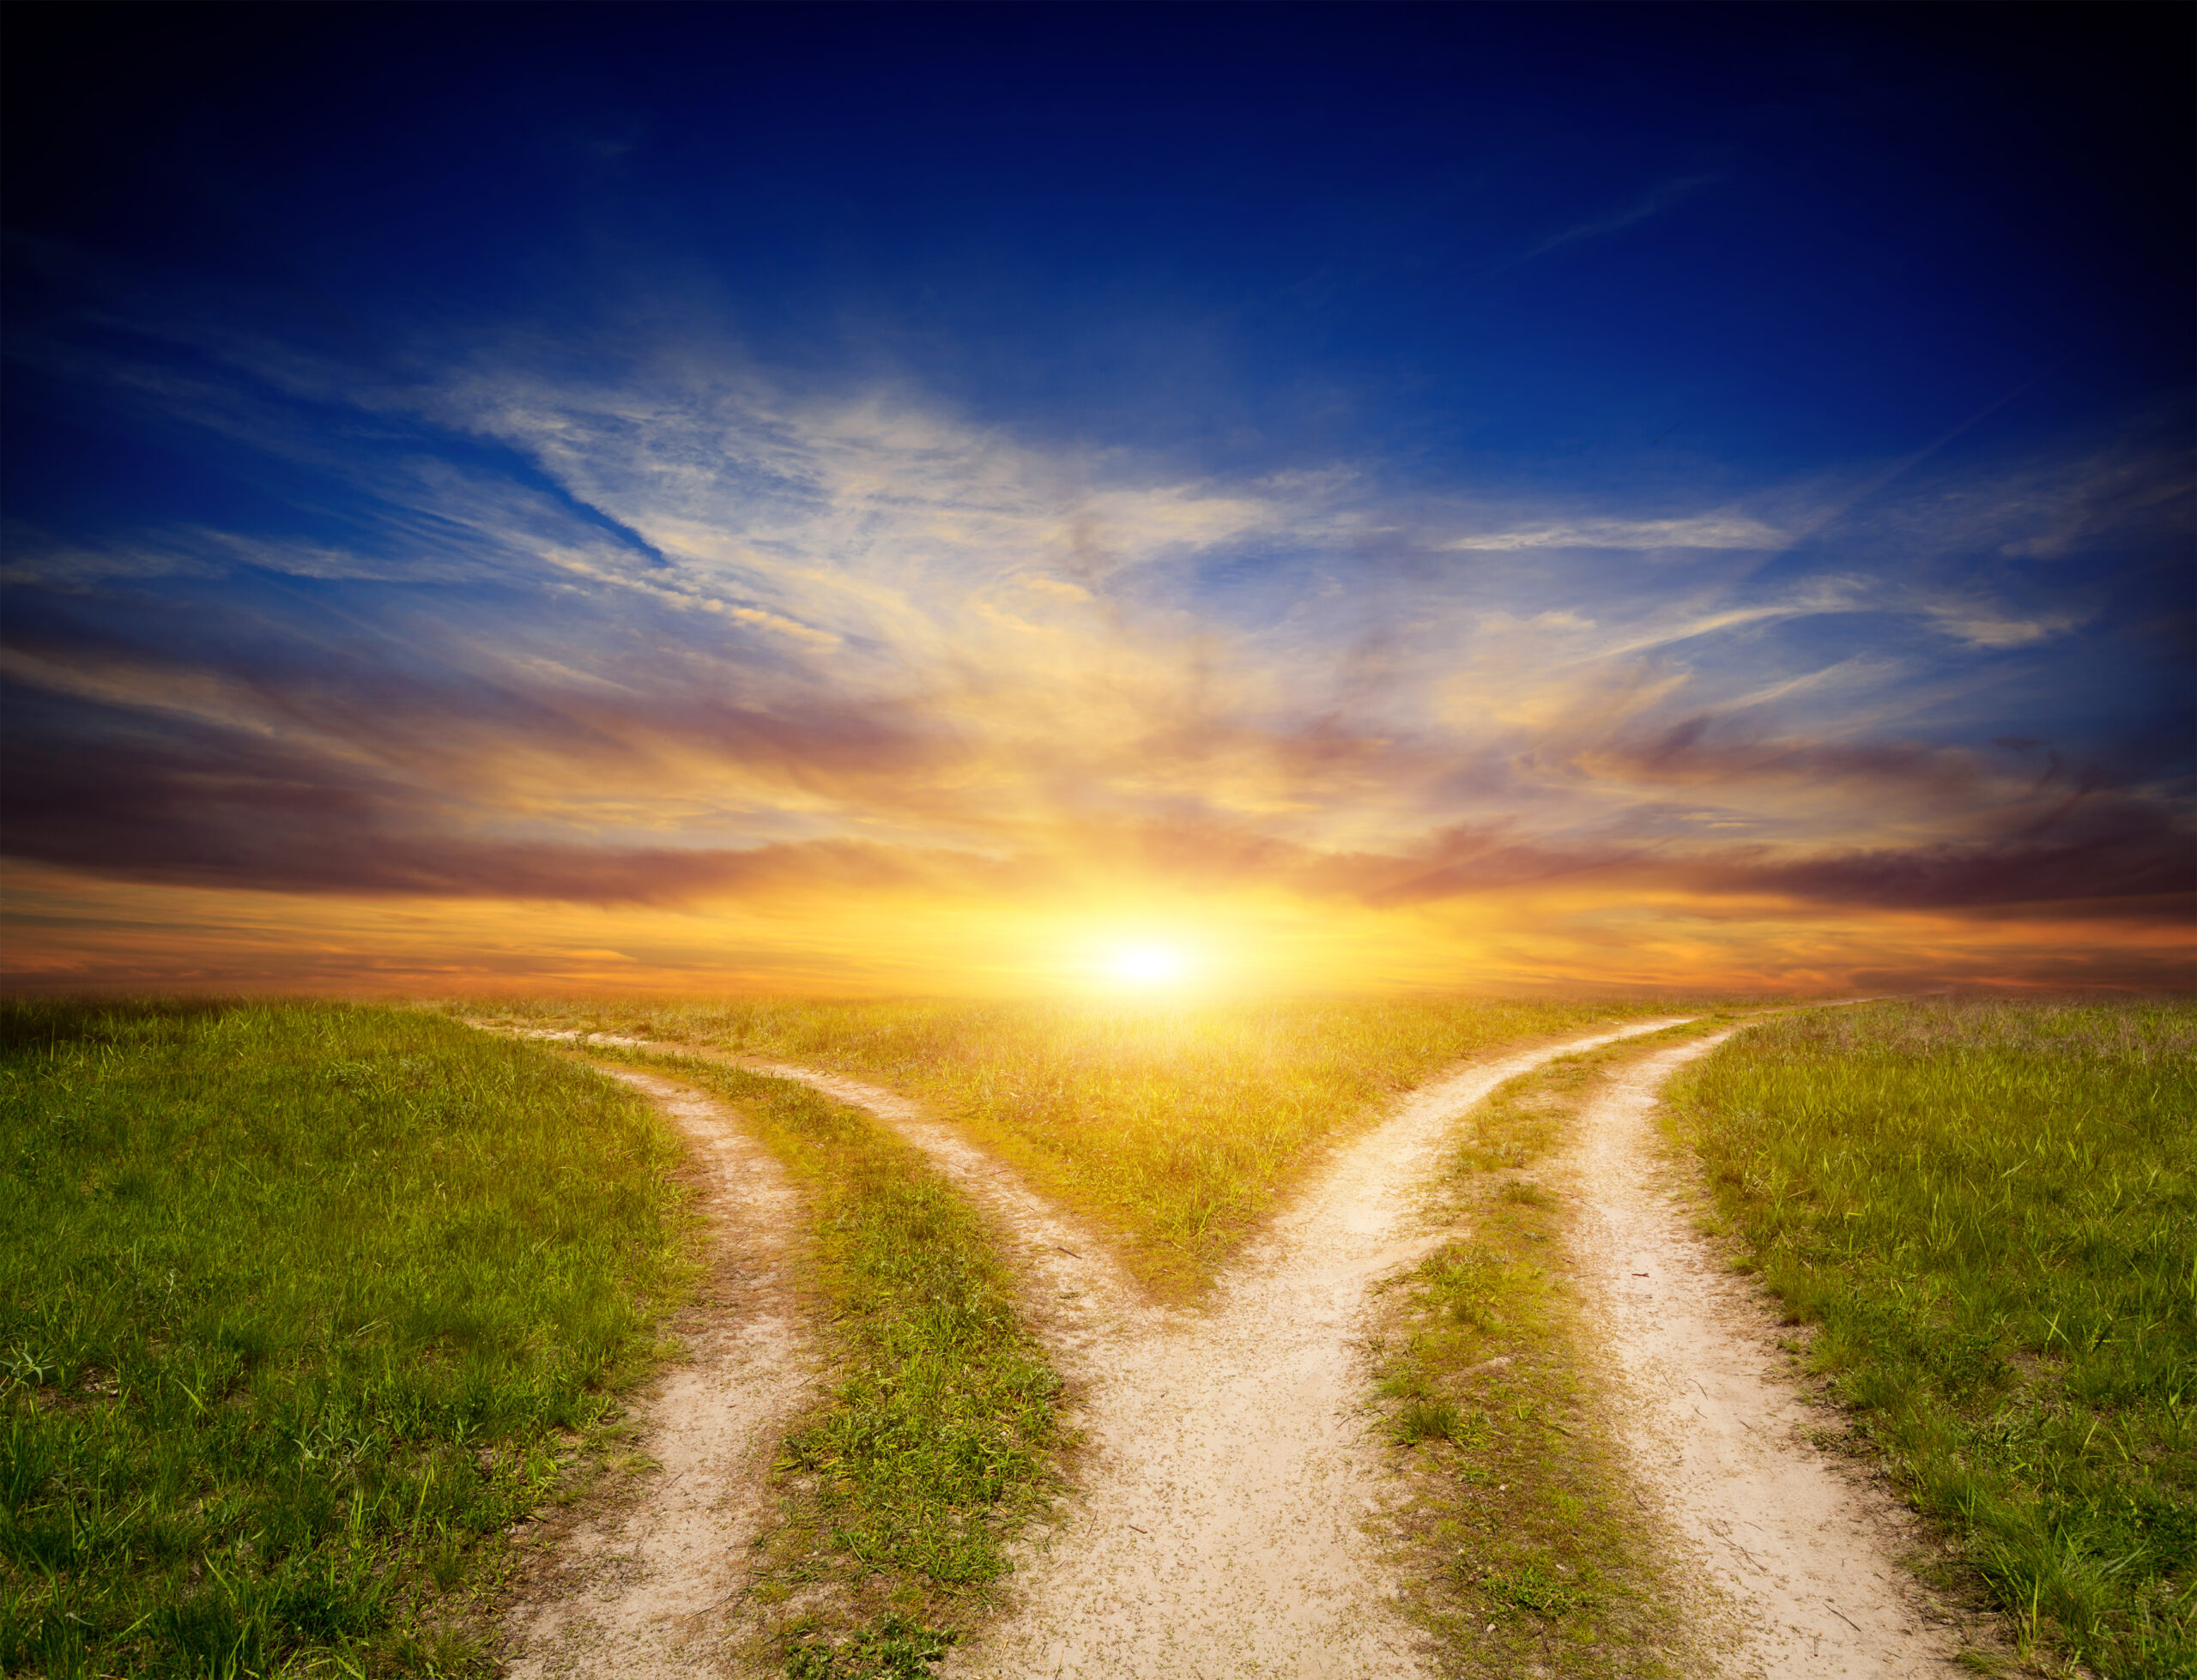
pixel 297 1303
pixel 1521 1545
pixel 936 1437
pixel 1988 1213
pixel 1176 1126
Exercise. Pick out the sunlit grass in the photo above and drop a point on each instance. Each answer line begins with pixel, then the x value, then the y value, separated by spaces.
pixel 1175 1127
pixel 934 1438
pixel 297 1302
pixel 1988 1212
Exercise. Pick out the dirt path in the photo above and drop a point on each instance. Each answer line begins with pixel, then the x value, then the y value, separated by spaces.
pixel 1080 1303
pixel 646 1590
pixel 1803 1553
pixel 1219 1532
pixel 1077 1299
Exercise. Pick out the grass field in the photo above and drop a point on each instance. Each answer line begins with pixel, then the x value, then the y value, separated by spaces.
pixel 297 1302
pixel 1173 1127
pixel 937 1434
pixel 1524 1550
pixel 304 1303
pixel 1987 1213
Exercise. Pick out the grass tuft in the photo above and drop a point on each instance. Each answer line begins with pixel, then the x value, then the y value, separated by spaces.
pixel 897 1648
pixel 1426 1417
pixel 1534 1587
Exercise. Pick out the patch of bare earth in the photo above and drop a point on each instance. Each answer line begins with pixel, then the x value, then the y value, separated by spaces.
pixel 646 1583
pixel 1801 1555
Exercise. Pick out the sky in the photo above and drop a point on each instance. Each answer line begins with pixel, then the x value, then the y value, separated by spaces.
pixel 1001 500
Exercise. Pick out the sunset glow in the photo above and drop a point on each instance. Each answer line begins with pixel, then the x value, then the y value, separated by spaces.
pixel 1434 497
pixel 1149 966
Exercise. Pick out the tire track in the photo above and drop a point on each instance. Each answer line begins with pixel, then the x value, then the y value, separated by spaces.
pixel 1804 1556
pixel 649 1589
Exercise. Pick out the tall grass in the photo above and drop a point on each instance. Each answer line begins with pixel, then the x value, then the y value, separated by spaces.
pixel 1175 1126
pixel 1989 1212
pixel 935 1437
pixel 296 1302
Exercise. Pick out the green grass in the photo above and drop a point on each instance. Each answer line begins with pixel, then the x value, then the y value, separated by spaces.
pixel 1524 1550
pixel 1175 1128
pixel 1988 1213
pixel 938 1433
pixel 297 1303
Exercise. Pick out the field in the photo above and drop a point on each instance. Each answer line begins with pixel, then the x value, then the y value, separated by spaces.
pixel 297 1303
pixel 307 1304
pixel 1988 1214
pixel 1175 1128
pixel 939 1433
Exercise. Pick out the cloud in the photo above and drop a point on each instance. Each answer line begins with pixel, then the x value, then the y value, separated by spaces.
pixel 1727 529
pixel 2131 494
pixel 206 807
pixel 2137 868
pixel 664 635
pixel 1982 623
pixel 1654 201
pixel 191 803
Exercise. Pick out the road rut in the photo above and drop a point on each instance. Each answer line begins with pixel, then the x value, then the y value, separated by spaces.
pixel 1804 1555
pixel 649 1590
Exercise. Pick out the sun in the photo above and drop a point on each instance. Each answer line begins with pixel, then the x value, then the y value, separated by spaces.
pixel 1148 965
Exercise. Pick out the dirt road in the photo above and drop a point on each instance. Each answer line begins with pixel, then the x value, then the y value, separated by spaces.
pixel 1219 1531
pixel 645 1589
pixel 1803 1553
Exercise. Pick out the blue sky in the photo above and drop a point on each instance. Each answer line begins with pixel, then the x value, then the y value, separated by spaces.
pixel 1414 462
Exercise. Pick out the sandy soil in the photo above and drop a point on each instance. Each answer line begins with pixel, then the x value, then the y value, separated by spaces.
pixel 1802 1551
pixel 647 1589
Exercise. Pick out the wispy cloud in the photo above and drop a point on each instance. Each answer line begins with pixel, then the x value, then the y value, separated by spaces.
pixel 716 645
pixel 1722 529
pixel 1652 203
pixel 1982 623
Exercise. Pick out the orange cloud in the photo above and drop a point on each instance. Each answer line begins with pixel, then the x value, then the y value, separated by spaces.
pixel 867 700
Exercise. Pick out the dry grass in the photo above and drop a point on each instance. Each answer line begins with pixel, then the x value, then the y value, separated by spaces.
pixel 1175 1128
